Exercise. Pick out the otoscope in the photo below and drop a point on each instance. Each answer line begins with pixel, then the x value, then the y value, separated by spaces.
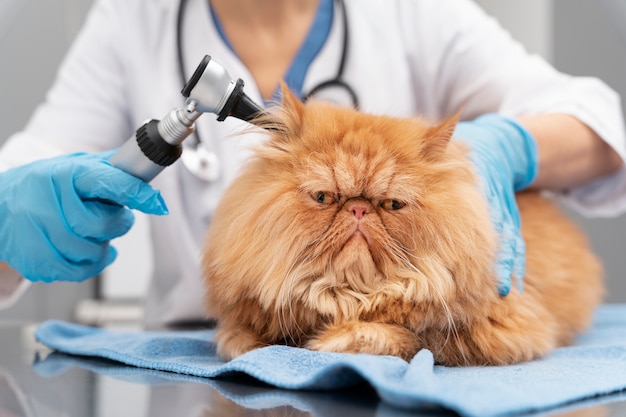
pixel 157 144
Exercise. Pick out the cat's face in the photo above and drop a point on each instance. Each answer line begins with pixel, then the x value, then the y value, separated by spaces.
pixel 339 203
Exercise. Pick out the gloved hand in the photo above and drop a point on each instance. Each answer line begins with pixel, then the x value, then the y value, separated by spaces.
pixel 505 157
pixel 58 215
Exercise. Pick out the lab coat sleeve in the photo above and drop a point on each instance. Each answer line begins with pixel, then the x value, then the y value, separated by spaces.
pixel 86 108
pixel 475 66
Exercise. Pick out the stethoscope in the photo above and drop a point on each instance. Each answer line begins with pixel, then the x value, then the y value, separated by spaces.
pixel 202 162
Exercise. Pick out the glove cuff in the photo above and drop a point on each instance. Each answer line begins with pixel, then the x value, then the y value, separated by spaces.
pixel 519 146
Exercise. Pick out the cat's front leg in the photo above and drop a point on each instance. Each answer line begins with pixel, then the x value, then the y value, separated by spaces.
pixel 235 341
pixel 515 330
pixel 366 337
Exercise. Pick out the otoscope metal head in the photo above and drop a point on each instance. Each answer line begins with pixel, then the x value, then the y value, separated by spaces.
pixel 211 90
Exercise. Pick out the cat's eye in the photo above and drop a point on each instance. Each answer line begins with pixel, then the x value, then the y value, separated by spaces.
pixel 323 197
pixel 392 204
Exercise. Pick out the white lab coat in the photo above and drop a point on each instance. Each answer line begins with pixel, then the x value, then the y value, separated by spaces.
pixel 405 58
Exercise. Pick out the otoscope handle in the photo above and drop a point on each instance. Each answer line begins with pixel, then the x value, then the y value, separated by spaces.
pixel 146 154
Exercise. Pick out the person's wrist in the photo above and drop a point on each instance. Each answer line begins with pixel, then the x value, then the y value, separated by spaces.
pixel 517 145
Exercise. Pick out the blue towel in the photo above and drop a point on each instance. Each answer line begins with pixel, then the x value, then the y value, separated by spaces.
pixel 595 365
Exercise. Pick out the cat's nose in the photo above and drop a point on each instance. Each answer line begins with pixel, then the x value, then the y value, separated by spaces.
pixel 358 208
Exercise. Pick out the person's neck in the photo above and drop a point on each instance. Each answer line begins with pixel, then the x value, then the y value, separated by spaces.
pixel 264 14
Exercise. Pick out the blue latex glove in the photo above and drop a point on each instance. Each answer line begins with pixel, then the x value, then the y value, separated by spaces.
pixel 505 157
pixel 59 214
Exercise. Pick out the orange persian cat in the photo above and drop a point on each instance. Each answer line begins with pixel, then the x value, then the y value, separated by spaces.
pixel 350 232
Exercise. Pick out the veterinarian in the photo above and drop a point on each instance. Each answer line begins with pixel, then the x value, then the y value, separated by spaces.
pixel 61 202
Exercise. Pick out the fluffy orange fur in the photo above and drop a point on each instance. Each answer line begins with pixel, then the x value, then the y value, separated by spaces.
pixel 350 232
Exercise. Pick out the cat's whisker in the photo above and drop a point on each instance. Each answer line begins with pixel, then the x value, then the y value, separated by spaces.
pixel 403 255
pixel 285 294
pixel 288 320
pixel 451 326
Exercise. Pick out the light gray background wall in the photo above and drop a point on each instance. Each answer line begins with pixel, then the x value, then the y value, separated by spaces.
pixel 578 36
pixel 33 41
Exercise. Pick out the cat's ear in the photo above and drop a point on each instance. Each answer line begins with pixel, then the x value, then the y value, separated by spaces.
pixel 292 107
pixel 438 136
pixel 285 121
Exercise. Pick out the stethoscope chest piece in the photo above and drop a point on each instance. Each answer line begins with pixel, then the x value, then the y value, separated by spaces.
pixel 201 162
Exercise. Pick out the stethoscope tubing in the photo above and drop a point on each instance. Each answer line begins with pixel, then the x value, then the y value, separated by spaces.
pixel 337 80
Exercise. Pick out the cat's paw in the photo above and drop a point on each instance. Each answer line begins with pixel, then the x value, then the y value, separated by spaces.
pixel 235 342
pixel 364 337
